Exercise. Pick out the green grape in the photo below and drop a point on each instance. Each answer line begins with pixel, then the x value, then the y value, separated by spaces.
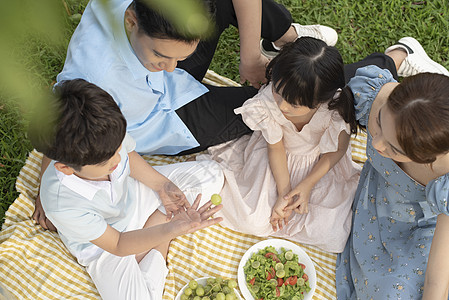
pixel 215 199
pixel 188 291
pixel 207 288
pixel 232 284
pixel 219 279
pixel 205 298
pixel 210 281
pixel 184 297
pixel 221 296
pixel 197 298
pixel 216 288
pixel 200 291
pixel 193 284
pixel 255 288
pixel 226 289
pixel 230 297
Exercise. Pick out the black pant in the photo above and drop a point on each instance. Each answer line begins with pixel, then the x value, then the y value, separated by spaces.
pixel 276 20
pixel 378 59
pixel 211 117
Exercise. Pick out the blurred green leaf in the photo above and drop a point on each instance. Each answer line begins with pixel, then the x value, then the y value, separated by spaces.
pixel 188 16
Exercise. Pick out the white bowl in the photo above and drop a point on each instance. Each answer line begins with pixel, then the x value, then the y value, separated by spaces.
pixel 277 244
pixel 203 282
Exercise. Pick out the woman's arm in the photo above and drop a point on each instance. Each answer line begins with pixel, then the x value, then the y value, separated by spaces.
pixel 326 162
pixel 436 283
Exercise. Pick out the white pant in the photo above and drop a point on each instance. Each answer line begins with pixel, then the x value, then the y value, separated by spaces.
pixel 120 278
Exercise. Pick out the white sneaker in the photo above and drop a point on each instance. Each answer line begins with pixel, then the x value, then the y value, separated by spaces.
pixel 417 60
pixel 320 32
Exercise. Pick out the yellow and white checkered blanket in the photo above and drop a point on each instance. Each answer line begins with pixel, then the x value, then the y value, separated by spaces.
pixel 34 263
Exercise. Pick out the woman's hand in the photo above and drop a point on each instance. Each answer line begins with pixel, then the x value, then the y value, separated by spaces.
pixel 194 218
pixel 173 199
pixel 299 198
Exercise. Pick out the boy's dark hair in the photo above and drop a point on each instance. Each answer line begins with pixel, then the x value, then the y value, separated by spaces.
pixel 308 72
pixel 154 23
pixel 85 125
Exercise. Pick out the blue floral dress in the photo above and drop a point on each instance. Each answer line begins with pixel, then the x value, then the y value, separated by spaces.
pixel 394 217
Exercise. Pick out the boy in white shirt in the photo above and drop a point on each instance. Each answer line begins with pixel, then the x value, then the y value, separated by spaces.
pixel 114 212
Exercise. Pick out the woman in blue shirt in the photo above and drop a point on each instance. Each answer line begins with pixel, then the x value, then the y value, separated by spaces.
pixel 399 241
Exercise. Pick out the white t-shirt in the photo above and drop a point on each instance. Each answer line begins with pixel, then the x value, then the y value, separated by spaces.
pixel 81 209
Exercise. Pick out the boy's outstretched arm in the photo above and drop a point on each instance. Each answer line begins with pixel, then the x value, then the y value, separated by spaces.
pixel 171 196
pixel 141 240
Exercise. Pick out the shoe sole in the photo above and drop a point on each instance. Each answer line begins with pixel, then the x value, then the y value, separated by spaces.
pixel 418 49
pixel 267 54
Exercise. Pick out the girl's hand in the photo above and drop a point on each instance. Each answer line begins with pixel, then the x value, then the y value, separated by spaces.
pixel 279 215
pixel 194 218
pixel 299 198
pixel 173 199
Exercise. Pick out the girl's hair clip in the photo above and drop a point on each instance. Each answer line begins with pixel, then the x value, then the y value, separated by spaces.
pixel 337 94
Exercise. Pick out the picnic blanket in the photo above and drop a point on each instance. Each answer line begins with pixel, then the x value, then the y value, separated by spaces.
pixel 34 263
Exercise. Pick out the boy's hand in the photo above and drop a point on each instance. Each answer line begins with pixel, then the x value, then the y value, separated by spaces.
pixel 39 216
pixel 300 196
pixel 194 218
pixel 173 199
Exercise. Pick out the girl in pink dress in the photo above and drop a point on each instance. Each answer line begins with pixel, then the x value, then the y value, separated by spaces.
pixel 299 151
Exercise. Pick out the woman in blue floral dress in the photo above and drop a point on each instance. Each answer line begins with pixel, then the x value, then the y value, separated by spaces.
pixel 401 200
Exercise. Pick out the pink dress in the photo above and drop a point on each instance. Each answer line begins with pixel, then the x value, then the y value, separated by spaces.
pixel 249 193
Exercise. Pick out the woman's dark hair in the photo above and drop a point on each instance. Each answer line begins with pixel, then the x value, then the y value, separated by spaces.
pixel 308 72
pixel 421 107
pixel 154 23
pixel 85 125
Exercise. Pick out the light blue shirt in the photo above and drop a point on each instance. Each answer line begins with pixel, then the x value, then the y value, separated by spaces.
pixel 82 209
pixel 99 52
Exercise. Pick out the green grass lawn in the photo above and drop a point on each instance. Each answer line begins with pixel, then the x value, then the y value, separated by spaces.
pixel 364 27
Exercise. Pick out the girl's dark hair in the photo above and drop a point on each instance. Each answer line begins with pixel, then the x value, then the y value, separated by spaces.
pixel 85 125
pixel 421 106
pixel 308 72
pixel 153 22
